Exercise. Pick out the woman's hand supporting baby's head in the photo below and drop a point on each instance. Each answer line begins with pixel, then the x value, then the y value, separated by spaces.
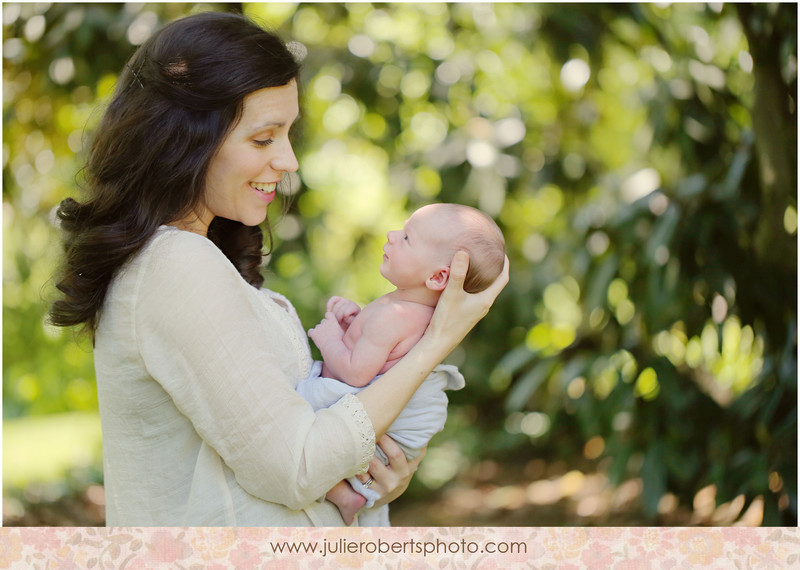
pixel 458 311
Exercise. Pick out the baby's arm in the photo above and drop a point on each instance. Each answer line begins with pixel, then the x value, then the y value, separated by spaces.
pixel 357 367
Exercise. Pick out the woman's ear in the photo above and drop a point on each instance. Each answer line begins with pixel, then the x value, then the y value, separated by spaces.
pixel 438 280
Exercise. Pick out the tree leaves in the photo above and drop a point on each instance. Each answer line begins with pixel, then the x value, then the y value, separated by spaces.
pixel 620 147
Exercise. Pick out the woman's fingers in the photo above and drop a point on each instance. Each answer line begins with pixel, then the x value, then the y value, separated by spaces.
pixel 397 459
pixel 390 481
pixel 501 281
pixel 458 311
pixel 454 291
pixel 413 465
pixel 458 271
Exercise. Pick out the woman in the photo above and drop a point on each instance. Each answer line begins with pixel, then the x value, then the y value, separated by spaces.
pixel 196 365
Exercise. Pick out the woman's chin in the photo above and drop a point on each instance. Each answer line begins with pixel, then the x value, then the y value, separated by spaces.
pixel 254 219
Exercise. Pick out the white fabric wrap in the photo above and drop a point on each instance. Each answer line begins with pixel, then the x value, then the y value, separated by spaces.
pixel 423 417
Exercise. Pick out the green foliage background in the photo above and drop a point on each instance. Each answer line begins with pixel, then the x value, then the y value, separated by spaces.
pixel 640 158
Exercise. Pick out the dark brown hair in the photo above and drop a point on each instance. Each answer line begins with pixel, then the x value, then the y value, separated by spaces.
pixel 176 99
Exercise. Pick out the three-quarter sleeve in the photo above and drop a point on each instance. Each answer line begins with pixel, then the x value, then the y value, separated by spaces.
pixel 202 335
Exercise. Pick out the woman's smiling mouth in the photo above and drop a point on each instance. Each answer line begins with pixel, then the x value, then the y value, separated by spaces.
pixel 264 187
pixel 265 190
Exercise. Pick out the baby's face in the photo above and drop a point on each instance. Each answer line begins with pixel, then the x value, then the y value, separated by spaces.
pixel 412 254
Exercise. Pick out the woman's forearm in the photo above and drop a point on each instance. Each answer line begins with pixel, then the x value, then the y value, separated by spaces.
pixel 385 398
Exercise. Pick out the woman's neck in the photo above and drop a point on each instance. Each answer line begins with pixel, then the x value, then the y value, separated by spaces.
pixel 192 222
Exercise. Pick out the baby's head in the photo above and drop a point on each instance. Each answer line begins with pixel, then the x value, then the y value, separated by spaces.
pixel 461 227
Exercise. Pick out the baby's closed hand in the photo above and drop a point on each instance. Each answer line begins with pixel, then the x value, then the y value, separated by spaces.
pixel 327 330
pixel 344 310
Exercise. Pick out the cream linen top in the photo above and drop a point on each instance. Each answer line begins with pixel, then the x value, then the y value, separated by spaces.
pixel 196 372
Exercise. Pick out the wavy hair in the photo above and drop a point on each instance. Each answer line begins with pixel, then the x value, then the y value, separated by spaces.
pixel 176 99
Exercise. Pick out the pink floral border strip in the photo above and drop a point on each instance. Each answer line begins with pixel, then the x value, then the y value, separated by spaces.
pixel 408 547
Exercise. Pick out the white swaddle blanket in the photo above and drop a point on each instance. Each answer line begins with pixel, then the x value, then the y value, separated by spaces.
pixel 423 417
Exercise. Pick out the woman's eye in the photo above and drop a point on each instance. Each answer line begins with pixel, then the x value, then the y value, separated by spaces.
pixel 266 142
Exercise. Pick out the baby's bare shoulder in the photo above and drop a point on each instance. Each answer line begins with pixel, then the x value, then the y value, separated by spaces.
pixel 414 315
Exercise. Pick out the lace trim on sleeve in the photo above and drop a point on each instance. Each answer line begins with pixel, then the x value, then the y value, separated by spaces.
pixel 352 407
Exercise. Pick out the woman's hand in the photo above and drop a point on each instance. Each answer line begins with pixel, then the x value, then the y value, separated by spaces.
pixel 390 481
pixel 458 311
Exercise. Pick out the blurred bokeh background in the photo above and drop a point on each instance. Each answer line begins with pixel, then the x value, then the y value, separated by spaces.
pixel 641 366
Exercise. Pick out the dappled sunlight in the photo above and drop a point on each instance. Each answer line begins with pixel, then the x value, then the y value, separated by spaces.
pixel 790 220
pixel 647 334
pixel 52 470
pixel 556 496
pixel 50 505
pixel 620 302
pixel 575 74
pixel 559 319
pixel 725 359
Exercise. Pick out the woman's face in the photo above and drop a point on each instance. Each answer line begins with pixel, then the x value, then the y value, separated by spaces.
pixel 244 173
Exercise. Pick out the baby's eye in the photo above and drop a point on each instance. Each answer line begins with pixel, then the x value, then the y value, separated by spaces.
pixel 405 237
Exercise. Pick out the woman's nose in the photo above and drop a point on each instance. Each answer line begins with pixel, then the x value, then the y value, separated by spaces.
pixel 285 160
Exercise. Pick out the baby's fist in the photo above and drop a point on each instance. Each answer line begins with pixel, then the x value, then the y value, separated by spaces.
pixel 344 310
pixel 327 330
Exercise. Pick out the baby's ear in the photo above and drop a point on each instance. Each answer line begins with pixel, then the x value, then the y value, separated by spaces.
pixel 438 280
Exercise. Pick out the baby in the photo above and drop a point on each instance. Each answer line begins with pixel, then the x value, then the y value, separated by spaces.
pixel 358 345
